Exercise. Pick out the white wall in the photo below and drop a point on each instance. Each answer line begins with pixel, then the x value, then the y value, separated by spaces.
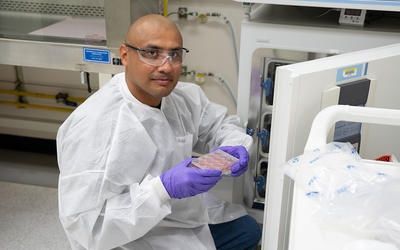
pixel 210 44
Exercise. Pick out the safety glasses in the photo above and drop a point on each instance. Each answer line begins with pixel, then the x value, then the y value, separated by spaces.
pixel 157 57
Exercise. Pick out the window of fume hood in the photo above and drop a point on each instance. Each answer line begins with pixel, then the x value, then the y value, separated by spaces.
pixel 73 21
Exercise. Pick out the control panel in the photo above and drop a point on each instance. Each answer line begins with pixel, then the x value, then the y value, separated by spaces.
pixel 352 17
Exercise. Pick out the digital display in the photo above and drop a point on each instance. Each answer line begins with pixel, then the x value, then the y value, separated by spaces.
pixel 352 12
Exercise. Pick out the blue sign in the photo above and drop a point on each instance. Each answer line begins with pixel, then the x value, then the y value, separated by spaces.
pixel 349 72
pixel 96 55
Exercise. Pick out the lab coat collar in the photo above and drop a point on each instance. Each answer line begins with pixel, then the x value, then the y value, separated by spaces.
pixel 129 97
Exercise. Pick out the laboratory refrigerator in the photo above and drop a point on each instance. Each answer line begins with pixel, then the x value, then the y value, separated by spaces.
pixel 366 78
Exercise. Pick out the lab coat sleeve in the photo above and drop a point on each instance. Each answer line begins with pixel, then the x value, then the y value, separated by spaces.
pixel 106 197
pixel 217 128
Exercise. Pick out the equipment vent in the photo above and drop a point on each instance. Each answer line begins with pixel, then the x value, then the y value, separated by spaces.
pixel 52 8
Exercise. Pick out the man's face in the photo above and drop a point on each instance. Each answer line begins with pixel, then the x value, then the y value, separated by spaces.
pixel 146 82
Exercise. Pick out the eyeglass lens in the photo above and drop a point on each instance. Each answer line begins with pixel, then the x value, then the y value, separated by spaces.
pixel 158 57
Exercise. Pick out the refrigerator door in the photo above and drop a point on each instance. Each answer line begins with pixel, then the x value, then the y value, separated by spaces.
pixel 301 91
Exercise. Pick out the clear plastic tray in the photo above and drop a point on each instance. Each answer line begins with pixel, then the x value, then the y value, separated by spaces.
pixel 217 159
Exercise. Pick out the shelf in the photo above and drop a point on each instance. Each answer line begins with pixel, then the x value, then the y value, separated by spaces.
pixel 323 18
pixel 382 5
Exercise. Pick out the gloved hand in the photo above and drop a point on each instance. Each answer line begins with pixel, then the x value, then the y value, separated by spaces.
pixel 239 152
pixel 182 181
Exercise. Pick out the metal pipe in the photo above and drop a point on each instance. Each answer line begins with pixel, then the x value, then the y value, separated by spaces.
pixel 38 95
pixel 26 105
pixel 165 8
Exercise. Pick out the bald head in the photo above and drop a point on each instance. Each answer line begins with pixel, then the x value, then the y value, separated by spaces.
pixel 151 36
pixel 150 25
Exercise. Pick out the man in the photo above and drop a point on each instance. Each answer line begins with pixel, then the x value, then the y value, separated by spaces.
pixel 124 156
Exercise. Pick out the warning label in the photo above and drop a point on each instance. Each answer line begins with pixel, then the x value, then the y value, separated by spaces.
pixel 387 158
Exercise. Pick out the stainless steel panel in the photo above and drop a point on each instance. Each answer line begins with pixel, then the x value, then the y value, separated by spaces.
pixel 257 68
pixel 264 64
pixel 121 14
pixel 52 55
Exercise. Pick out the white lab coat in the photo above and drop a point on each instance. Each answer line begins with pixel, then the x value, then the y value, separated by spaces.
pixel 112 150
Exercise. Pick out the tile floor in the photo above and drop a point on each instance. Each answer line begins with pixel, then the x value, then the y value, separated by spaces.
pixel 29 218
pixel 28 202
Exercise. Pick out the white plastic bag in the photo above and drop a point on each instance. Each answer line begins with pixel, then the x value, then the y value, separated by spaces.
pixel 352 197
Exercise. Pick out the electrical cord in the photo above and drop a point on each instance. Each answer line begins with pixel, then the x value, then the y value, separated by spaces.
pixel 226 85
pixel 211 75
pixel 234 43
pixel 173 13
pixel 326 12
pixel 88 82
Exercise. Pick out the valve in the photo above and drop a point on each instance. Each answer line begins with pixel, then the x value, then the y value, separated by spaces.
pixel 263 136
pixel 267 86
pixel 260 181
pixel 250 131
pixel 63 98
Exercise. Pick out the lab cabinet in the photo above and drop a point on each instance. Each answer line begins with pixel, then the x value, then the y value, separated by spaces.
pixel 74 47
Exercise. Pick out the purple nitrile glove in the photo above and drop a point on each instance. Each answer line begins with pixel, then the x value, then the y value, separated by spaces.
pixel 239 152
pixel 183 181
